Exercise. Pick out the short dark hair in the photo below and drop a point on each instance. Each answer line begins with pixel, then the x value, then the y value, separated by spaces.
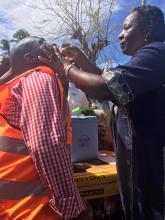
pixel 28 44
pixel 153 17
pixel 25 54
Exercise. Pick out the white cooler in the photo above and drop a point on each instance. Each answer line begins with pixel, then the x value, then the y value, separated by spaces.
pixel 84 138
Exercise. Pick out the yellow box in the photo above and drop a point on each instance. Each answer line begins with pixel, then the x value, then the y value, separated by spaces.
pixel 99 191
pixel 100 180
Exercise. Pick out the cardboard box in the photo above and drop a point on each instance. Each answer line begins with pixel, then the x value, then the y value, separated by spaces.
pixel 99 191
pixel 96 175
pixel 100 180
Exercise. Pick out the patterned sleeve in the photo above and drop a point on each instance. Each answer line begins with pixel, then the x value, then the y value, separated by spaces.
pixel 120 91
pixel 44 134
pixel 142 74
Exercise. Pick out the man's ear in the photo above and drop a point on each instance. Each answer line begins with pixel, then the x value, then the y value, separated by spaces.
pixel 29 59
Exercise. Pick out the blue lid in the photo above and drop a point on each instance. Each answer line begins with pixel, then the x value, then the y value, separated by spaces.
pixel 83 117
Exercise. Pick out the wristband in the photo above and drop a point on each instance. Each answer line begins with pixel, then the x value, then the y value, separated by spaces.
pixel 67 68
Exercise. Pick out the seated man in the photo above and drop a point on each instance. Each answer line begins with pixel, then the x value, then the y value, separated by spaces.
pixel 36 173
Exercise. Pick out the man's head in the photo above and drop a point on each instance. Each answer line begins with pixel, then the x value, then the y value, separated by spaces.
pixel 24 55
pixel 4 64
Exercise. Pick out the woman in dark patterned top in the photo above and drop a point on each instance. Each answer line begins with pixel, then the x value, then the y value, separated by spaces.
pixel 137 89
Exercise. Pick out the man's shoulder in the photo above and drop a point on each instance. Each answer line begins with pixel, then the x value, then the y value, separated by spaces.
pixel 38 74
pixel 38 79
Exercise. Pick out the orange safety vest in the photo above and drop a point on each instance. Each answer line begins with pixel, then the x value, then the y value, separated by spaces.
pixel 22 195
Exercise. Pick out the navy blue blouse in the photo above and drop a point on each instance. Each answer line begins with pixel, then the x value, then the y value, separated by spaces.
pixel 138 89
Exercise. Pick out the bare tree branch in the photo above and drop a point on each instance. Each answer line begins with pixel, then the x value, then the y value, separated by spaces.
pixel 87 21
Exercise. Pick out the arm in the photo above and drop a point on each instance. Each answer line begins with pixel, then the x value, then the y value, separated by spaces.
pixel 92 84
pixel 44 134
pixel 119 85
pixel 142 74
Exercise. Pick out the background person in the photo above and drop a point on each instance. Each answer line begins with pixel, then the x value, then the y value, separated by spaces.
pixel 137 89
pixel 4 64
pixel 36 178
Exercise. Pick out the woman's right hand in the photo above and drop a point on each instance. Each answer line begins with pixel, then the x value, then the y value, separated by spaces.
pixel 71 52
pixel 74 54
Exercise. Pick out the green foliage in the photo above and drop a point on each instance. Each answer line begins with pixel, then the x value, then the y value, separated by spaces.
pixel 20 34
pixel 86 21
pixel 5 45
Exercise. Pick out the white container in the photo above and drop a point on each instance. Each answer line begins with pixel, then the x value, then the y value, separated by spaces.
pixel 84 138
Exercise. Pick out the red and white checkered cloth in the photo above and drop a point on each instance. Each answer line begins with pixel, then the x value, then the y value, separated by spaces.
pixel 36 110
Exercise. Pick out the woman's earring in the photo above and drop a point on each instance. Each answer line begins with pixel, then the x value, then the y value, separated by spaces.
pixel 145 39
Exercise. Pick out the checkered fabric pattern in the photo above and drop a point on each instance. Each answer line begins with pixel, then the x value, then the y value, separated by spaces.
pixel 35 108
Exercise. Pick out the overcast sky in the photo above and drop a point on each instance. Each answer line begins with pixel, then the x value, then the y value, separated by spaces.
pixel 14 14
